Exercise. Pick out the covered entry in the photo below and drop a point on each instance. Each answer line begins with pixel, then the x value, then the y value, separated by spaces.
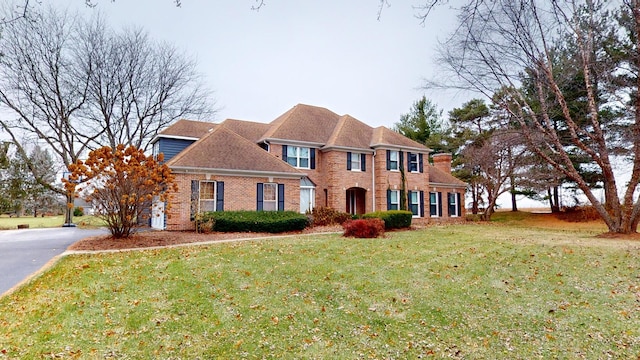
pixel 356 200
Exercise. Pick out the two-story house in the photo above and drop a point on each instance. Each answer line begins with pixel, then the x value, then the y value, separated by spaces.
pixel 307 157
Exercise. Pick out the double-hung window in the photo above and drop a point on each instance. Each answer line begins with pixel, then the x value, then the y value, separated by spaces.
pixel 269 197
pixel 454 204
pixel 394 159
pixel 435 207
pixel 415 201
pixel 413 162
pixel 207 200
pixel 393 199
pixel 356 161
pixel 299 156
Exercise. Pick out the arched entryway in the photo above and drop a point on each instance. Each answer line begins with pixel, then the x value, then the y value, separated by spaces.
pixel 356 200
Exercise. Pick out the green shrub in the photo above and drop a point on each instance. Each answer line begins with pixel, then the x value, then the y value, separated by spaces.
pixel 393 219
pixel 253 221
pixel 322 216
pixel 78 211
pixel 364 228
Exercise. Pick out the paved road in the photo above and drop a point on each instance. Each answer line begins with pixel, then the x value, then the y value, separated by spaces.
pixel 23 252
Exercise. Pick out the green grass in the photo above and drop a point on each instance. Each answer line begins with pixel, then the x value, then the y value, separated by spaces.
pixel 7 223
pixel 482 291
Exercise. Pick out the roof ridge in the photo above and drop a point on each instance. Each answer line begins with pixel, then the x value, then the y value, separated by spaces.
pixel 336 130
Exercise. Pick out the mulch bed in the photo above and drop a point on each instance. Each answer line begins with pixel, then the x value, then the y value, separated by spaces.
pixel 154 238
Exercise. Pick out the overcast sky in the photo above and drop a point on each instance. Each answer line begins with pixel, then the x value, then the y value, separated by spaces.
pixel 330 53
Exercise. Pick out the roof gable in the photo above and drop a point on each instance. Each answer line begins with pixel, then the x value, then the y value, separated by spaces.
pixel 224 149
pixel 303 123
pixel 249 130
pixel 351 133
pixel 384 137
pixel 188 128
pixel 438 176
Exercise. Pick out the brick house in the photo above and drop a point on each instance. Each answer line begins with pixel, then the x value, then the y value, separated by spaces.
pixel 307 157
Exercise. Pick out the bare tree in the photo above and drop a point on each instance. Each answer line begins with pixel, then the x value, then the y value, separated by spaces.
pixel 136 86
pixel 76 85
pixel 501 44
pixel 496 161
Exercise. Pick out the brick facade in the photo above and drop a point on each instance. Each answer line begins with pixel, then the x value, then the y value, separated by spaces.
pixel 240 193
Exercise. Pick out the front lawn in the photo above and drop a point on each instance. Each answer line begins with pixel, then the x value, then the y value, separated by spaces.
pixel 463 291
pixel 8 223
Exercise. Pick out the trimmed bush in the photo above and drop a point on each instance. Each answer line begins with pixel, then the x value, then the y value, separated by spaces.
pixel 322 216
pixel 393 219
pixel 253 221
pixel 364 228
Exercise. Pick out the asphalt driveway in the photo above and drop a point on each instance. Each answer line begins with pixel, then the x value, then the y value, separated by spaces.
pixel 23 252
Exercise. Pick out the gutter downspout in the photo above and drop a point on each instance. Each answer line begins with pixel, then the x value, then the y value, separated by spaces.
pixel 373 180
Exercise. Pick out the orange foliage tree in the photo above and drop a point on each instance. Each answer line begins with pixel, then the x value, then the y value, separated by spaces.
pixel 121 183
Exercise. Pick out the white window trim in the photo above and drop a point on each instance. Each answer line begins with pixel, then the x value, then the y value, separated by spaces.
pixel 298 157
pixel 213 200
pixel 453 196
pixel 417 162
pixel 397 160
pixel 417 203
pixel 397 203
pixel 437 215
pixel 265 201
pixel 358 156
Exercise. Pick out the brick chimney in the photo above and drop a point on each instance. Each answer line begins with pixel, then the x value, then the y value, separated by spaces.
pixel 443 162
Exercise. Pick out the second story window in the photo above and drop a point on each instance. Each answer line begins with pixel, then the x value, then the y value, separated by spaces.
pixel 356 162
pixel 299 157
pixel 393 160
pixel 413 162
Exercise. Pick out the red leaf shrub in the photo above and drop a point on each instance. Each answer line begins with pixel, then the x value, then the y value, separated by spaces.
pixel 364 228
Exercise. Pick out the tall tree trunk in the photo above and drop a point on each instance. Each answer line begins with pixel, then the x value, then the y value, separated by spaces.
pixel 556 199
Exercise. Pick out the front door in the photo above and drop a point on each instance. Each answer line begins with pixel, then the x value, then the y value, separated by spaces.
pixel 157 214
pixel 307 196
pixel 356 201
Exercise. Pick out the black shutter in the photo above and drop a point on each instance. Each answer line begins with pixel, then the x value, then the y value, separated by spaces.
pixel 420 166
pixel 388 199
pixel 348 160
pixel 408 161
pixel 280 197
pixel 452 209
pixel 459 204
pixel 439 204
pixel 220 196
pixel 421 204
pixel 388 159
pixel 284 153
pixel 363 162
pixel 313 158
pixel 195 196
pixel 259 197
pixel 401 160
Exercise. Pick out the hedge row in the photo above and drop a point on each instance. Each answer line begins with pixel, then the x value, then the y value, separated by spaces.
pixel 253 221
pixel 393 219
